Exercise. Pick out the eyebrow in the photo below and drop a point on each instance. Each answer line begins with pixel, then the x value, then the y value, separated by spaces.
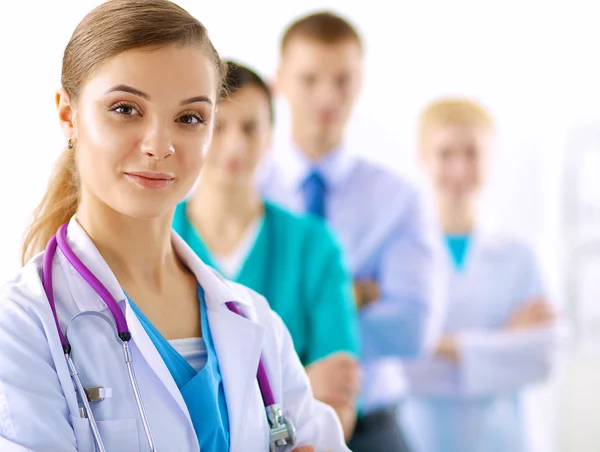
pixel 143 95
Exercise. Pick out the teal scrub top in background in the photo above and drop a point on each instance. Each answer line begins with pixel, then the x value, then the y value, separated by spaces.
pixel 297 265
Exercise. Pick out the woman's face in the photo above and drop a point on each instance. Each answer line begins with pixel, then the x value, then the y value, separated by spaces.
pixel 141 126
pixel 242 136
pixel 455 159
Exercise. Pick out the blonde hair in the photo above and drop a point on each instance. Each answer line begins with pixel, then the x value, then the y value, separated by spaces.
pixel 108 30
pixel 453 111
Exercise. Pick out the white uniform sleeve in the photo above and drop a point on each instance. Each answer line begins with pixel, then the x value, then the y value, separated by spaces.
pixel 494 362
pixel 503 360
pixel 33 410
pixel 316 423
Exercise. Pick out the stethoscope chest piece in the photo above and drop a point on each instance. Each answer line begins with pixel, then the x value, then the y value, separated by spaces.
pixel 281 428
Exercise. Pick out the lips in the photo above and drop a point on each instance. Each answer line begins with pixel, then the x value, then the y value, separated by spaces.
pixel 148 179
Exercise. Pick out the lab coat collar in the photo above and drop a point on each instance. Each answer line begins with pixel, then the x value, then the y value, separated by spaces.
pixel 85 297
pixel 218 292
pixel 484 244
pixel 335 167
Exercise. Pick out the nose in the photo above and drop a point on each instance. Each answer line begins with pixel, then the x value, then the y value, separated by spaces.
pixel 234 142
pixel 460 169
pixel 328 93
pixel 157 143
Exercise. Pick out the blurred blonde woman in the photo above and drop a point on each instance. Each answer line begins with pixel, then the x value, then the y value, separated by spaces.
pixel 500 332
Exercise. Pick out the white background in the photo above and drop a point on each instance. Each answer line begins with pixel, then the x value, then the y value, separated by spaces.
pixel 534 63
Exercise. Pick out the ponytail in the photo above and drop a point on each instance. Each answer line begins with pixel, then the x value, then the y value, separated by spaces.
pixel 58 205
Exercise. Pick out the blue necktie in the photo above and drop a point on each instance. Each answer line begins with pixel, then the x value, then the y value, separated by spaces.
pixel 314 190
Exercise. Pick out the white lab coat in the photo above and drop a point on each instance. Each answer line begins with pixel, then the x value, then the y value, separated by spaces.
pixel 477 405
pixel 38 405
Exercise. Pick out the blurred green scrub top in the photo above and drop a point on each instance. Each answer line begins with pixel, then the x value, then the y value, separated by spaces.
pixel 297 265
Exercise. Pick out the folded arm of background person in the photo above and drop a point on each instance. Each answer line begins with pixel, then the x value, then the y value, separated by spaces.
pixel 404 319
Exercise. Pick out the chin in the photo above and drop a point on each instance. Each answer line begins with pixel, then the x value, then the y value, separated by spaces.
pixel 148 209
pixel 231 181
pixel 148 213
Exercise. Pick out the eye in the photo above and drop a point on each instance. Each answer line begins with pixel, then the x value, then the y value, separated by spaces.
pixel 444 153
pixel 191 119
pixel 342 81
pixel 309 79
pixel 250 127
pixel 124 109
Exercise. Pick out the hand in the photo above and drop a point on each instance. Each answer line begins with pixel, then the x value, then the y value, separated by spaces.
pixel 335 380
pixel 366 291
pixel 448 348
pixel 531 314
pixel 347 416
pixel 304 449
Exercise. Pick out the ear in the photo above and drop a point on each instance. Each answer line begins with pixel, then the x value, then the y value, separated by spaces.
pixel 273 86
pixel 270 141
pixel 276 83
pixel 65 113
pixel 361 80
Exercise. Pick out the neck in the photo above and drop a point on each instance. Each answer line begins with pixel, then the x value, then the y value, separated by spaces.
pixel 457 218
pixel 315 148
pixel 138 251
pixel 221 209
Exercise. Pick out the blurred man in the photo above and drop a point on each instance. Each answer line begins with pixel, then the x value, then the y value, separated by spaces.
pixel 379 218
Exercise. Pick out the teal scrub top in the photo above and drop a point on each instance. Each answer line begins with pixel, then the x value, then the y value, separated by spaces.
pixel 297 265
pixel 202 391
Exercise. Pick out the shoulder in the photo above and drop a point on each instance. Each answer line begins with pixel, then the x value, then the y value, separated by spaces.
pixel 308 229
pixel 379 189
pixel 256 308
pixel 381 177
pixel 22 297
pixel 509 247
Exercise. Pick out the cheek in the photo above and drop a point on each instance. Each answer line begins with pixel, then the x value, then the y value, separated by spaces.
pixel 97 129
pixel 215 153
pixel 101 142
pixel 194 153
pixel 439 173
pixel 254 154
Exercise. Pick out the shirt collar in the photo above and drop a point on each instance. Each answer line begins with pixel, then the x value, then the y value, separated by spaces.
pixel 334 167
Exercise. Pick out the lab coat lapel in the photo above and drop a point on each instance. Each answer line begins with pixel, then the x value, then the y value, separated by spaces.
pixel 482 248
pixel 238 340
pixel 238 343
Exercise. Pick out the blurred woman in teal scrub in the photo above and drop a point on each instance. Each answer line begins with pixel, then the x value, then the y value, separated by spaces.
pixel 294 261
pixel 500 332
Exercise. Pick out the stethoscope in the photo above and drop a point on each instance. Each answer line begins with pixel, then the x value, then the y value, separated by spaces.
pixel 281 428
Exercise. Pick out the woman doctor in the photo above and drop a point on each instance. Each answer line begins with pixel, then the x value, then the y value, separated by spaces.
pixel 500 333
pixel 140 81
pixel 294 261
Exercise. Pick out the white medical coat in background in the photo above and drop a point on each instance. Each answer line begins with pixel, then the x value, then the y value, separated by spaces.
pixel 477 406
pixel 38 404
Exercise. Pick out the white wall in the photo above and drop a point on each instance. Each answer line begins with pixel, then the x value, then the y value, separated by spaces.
pixel 532 62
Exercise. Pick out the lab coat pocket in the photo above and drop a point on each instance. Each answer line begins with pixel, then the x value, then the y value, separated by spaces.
pixel 119 435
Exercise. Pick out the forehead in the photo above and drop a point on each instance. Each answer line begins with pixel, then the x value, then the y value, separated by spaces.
pixel 165 73
pixel 440 134
pixel 246 100
pixel 305 53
